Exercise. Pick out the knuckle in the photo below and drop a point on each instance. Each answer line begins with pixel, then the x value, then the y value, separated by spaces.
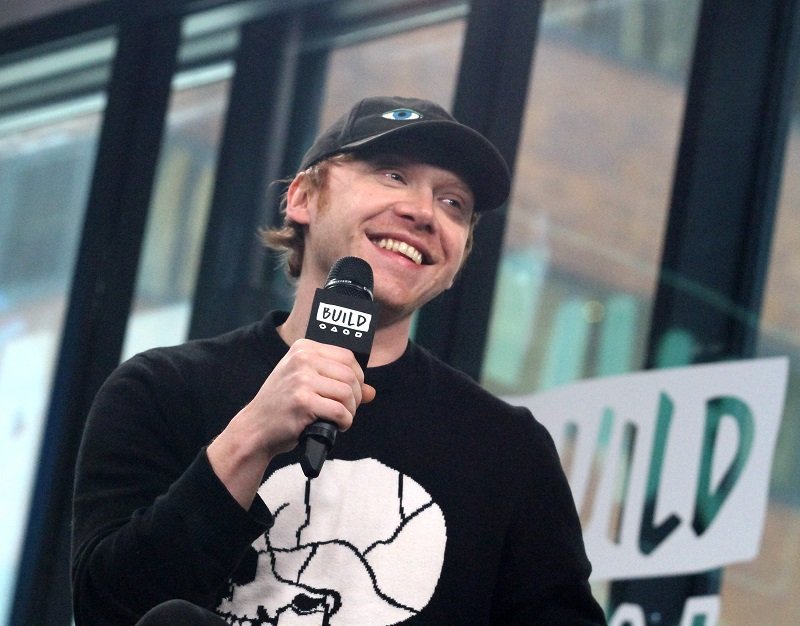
pixel 301 396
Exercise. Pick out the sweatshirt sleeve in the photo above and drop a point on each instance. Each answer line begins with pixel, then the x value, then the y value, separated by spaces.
pixel 544 572
pixel 151 520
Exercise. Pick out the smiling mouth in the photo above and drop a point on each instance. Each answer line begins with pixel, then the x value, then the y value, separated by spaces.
pixel 401 247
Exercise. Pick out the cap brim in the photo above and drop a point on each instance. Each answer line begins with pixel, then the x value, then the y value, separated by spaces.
pixel 452 146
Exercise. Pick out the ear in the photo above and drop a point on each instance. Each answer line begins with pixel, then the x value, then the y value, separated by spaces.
pixel 298 199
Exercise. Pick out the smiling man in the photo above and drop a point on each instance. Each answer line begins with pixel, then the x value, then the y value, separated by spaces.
pixel 440 504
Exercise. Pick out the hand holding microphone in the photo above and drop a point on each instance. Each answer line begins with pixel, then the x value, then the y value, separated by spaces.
pixel 343 314
pixel 316 378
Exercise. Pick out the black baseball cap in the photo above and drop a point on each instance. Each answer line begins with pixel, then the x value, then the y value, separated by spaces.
pixel 423 130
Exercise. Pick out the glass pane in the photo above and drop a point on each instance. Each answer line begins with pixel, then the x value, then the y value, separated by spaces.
pixel 589 206
pixel 179 209
pixel 586 220
pixel 421 63
pixel 763 590
pixel 46 160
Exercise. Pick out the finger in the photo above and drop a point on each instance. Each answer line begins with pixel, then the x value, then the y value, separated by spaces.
pixel 341 373
pixel 326 350
pixel 368 393
pixel 313 352
pixel 345 393
pixel 332 410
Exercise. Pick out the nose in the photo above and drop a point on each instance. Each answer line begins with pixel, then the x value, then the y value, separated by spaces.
pixel 420 208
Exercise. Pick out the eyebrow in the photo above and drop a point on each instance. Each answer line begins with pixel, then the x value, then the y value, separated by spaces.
pixel 388 160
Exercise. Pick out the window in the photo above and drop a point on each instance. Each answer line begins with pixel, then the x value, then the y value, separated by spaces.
pixel 763 587
pixel 49 129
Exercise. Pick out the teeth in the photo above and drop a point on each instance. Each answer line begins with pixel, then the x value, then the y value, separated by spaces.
pixel 401 247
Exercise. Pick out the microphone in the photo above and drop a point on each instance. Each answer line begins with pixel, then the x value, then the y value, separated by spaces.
pixel 343 314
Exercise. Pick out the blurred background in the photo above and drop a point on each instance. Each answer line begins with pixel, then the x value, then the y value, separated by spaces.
pixel 654 219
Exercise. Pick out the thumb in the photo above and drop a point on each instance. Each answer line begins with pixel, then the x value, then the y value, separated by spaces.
pixel 367 393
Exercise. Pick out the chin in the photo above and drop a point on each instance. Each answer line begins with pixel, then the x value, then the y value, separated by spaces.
pixel 392 311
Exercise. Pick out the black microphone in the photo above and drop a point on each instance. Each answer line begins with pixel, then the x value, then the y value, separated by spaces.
pixel 343 314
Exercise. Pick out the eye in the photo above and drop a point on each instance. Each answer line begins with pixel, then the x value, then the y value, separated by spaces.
pixel 457 205
pixel 395 176
pixel 460 205
pixel 391 173
pixel 402 115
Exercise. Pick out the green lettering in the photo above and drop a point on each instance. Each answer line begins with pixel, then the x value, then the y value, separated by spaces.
pixel 652 535
pixel 708 503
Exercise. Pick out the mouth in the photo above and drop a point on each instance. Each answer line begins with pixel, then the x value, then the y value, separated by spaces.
pixel 400 247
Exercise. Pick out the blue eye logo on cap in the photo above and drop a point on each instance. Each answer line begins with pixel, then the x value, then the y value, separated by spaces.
pixel 402 115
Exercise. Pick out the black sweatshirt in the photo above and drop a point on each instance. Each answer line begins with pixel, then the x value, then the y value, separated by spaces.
pixel 441 505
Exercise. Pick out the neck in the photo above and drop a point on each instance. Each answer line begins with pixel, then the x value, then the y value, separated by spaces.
pixel 388 345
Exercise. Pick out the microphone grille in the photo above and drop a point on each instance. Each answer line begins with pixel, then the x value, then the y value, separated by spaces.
pixel 352 276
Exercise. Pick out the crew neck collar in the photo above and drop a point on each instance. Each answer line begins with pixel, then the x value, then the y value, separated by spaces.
pixel 399 374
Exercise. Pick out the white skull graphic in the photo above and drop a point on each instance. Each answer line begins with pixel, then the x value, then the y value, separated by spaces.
pixel 359 544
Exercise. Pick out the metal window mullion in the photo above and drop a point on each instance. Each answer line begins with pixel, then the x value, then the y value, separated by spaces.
pixel 251 155
pixel 725 190
pixel 492 87
pixel 99 301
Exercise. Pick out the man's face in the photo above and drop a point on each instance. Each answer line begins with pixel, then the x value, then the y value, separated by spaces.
pixel 410 221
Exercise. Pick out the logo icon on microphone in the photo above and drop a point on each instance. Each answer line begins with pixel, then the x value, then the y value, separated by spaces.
pixel 342 319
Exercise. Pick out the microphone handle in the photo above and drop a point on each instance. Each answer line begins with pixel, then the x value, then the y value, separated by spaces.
pixel 343 313
pixel 318 438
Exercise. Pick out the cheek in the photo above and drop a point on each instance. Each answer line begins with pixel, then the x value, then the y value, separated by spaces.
pixel 457 243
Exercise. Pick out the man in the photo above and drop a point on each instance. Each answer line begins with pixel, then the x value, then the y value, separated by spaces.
pixel 440 504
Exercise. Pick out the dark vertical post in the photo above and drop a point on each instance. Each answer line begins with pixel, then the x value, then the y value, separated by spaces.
pixel 492 88
pixel 251 156
pixel 278 291
pixel 726 182
pixel 99 303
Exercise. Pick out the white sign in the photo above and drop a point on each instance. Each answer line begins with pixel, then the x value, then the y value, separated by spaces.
pixel 340 316
pixel 705 608
pixel 669 468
